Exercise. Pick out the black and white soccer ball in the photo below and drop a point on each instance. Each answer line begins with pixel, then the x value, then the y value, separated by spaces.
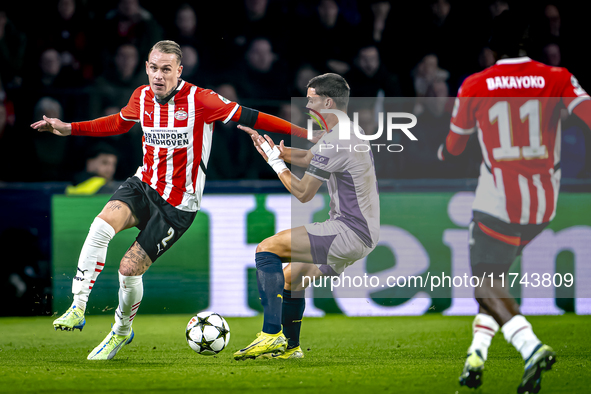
pixel 208 333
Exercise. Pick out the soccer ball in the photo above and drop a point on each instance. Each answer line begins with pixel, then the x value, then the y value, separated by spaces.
pixel 208 333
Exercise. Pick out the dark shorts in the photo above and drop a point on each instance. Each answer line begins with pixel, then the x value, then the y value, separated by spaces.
pixel 160 224
pixel 494 244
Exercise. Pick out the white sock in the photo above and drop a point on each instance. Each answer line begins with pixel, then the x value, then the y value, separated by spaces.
pixel 131 291
pixel 484 328
pixel 519 333
pixel 91 261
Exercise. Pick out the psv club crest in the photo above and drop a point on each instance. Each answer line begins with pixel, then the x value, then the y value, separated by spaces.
pixel 180 114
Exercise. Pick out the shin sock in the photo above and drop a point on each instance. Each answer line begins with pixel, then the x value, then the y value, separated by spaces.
pixel 131 290
pixel 519 333
pixel 91 261
pixel 270 282
pixel 484 328
pixel 294 304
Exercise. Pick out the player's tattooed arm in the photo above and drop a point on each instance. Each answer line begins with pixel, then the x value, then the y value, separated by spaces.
pixel 114 205
pixel 135 262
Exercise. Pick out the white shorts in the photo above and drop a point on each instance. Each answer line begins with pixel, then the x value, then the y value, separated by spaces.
pixel 334 246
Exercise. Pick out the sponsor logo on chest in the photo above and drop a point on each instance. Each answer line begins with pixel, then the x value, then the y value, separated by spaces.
pixel 167 138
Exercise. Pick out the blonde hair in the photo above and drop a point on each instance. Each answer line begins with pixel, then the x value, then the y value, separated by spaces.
pixel 169 47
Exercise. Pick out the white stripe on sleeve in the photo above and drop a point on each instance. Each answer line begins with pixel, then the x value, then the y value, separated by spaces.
pixel 576 102
pixel 231 114
pixel 460 131
pixel 128 120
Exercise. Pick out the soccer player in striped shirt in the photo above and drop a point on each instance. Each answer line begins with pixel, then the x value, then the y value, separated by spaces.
pixel 164 195
pixel 514 106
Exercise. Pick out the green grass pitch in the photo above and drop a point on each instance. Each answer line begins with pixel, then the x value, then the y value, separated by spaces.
pixel 361 355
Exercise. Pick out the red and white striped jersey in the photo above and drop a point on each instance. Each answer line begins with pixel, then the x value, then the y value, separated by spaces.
pixel 177 139
pixel 515 106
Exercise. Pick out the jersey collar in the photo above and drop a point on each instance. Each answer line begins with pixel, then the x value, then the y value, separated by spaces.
pixel 514 60
pixel 165 100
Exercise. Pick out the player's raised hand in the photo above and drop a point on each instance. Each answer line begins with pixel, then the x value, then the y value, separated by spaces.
pixel 272 154
pixel 54 126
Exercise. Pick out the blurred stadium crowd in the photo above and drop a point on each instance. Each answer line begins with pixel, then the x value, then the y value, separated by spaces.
pixel 81 59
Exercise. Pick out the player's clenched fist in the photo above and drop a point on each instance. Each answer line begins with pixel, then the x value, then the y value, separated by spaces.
pixel 53 125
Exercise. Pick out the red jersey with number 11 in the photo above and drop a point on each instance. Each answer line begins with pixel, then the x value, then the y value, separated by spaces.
pixel 515 106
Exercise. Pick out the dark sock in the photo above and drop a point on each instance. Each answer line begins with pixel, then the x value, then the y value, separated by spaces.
pixel 294 304
pixel 270 282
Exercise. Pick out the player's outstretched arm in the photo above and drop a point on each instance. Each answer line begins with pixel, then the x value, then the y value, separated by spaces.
pixel 54 126
pixel 101 127
pixel 219 108
pixel 259 120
